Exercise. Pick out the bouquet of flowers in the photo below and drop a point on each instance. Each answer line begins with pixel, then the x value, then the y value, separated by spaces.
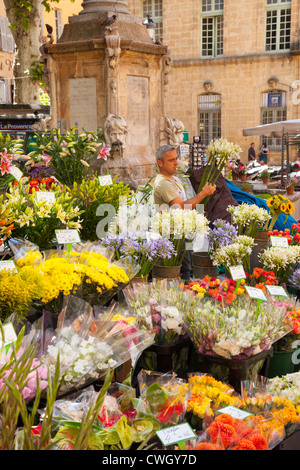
pixel 239 330
pixel 88 347
pixel 91 197
pixel 285 387
pixel 248 218
pixel 278 205
pixel 70 154
pixel 37 219
pixel 118 402
pixel 220 152
pixel 280 261
pixel 145 252
pixel 291 340
pixel 10 150
pixel 222 234
pixel 179 226
pixel 234 254
pixel 164 396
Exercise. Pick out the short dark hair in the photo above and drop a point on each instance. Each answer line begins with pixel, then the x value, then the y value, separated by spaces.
pixel 161 151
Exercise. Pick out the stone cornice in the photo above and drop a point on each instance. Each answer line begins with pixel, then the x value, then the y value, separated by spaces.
pixel 234 59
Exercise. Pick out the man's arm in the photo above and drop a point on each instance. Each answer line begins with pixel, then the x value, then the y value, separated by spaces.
pixel 207 190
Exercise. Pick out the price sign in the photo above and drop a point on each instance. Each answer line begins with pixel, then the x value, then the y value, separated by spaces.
pixel 105 180
pixel 256 293
pixel 9 335
pixel 48 196
pixel 16 172
pixel 235 412
pixel 277 291
pixel 237 272
pixel 176 434
pixel 67 236
pixel 281 242
pixel 8 264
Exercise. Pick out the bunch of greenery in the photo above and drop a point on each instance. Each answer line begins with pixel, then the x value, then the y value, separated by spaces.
pixel 90 195
pixel 70 154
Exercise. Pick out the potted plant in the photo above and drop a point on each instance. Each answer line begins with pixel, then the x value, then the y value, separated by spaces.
pixel 265 175
pixel 290 185
pixel 247 187
pixel 242 172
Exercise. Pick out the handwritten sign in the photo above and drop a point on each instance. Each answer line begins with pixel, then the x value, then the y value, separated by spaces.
pixel 8 264
pixel 67 236
pixel 235 412
pixel 9 335
pixel 277 291
pixel 255 293
pixel 281 242
pixel 105 180
pixel 48 196
pixel 16 172
pixel 175 434
pixel 237 272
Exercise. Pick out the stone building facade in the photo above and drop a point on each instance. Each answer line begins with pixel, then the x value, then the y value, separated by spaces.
pixel 235 64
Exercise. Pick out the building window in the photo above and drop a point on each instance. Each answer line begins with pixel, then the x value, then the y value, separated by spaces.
pixel 212 28
pixel 58 23
pixel 7 40
pixel 278 25
pixel 273 109
pixel 209 112
pixel 155 8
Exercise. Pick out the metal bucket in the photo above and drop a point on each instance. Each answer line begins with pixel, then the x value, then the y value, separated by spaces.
pixel 203 266
pixel 165 272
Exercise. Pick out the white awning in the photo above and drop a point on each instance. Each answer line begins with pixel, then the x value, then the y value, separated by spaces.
pixel 275 129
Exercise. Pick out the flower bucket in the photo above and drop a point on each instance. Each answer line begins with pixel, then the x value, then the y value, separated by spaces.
pixel 203 266
pixel 261 242
pixel 165 272
pixel 281 363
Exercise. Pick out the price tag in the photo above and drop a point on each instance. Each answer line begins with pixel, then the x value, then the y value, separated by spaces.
pixel 277 291
pixel 67 236
pixel 235 412
pixel 176 434
pixel 281 242
pixel 9 335
pixel 8 264
pixel 237 272
pixel 256 293
pixel 48 196
pixel 105 180
pixel 16 172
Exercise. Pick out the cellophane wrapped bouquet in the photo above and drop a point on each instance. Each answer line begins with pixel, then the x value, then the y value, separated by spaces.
pixel 163 396
pixel 239 330
pixel 88 345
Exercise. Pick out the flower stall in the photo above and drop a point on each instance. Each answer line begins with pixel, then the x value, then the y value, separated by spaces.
pixel 100 352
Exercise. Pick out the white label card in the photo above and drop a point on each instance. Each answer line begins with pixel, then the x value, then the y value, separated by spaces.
pixel 8 264
pixel 235 412
pixel 67 236
pixel 16 172
pixel 279 241
pixel 104 180
pixel 277 290
pixel 48 196
pixel 237 272
pixel 172 435
pixel 9 334
pixel 255 293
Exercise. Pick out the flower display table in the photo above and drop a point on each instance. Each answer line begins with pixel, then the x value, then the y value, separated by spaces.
pixel 238 368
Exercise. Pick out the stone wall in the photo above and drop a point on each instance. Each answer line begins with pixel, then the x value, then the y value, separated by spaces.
pixel 240 75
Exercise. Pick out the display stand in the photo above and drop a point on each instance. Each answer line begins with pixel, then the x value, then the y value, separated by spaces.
pixel 238 368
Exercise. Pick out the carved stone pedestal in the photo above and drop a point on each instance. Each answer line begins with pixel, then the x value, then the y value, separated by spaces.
pixel 106 72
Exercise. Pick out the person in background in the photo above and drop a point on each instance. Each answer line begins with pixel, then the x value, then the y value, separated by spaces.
pixel 263 156
pixel 168 192
pixel 251 153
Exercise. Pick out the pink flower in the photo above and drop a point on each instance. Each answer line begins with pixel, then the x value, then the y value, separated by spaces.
pixel 47 159
pixel 104 152
pixel 5 165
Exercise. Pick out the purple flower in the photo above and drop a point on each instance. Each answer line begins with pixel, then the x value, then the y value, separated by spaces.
pixel 223 234
pixel 295 278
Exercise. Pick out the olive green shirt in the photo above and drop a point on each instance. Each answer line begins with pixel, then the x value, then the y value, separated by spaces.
pixel 166 189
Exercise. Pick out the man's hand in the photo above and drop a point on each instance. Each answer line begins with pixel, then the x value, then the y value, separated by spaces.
pixel 208 189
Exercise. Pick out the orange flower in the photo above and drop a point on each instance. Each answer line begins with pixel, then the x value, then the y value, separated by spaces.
pixel 207 446
pixel 259 441
pixel 244 444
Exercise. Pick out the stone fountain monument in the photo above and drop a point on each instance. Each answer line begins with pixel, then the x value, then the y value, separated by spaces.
pixel 106 72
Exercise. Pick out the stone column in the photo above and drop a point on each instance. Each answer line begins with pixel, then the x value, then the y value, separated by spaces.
pixel 97 9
